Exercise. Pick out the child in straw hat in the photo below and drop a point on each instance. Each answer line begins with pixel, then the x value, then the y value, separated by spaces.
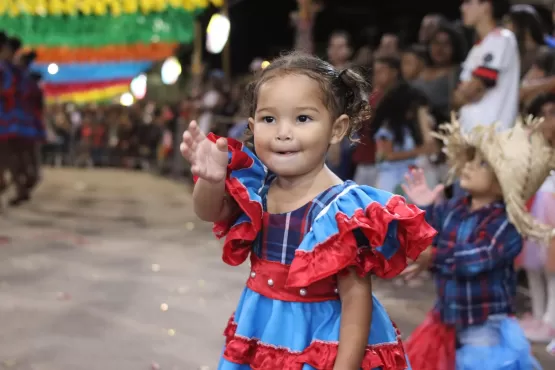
pixel 473 255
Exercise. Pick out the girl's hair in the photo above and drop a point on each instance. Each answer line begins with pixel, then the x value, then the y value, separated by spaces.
pixel 536 105
pixel 397 111
pixel 418 50
pixel 14 44
pixel 458 43
pixel 343 92
pixel 526 19
pixel 545 60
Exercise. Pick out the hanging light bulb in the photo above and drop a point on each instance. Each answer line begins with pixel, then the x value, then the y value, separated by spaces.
pixel 217 33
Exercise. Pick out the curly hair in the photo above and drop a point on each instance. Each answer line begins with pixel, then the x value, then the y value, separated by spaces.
pixel 458 43
pixel 343 92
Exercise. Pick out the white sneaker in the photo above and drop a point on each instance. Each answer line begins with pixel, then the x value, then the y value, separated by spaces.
pixel 540 334
pixel 551 348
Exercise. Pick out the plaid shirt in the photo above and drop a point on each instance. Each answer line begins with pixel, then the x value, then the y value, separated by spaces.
pixel 473 260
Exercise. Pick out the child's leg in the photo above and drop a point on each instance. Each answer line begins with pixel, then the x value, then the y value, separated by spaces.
pixel 549 316
pixel 536 283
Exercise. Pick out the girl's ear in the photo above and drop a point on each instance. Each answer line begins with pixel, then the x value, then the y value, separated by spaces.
pixel 339 129
pixel 251 124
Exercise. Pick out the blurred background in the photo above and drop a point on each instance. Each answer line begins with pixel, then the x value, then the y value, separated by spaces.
pixel 107 267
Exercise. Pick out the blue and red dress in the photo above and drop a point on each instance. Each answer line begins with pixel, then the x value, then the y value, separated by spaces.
pixel 289 314
pixel 8 86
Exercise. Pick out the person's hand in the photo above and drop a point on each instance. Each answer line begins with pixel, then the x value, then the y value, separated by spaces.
pixel 208 160
pixel 422 263
pixel 418 191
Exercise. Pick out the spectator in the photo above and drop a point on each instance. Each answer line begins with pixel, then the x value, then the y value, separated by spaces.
pixel 488 93
pixel 413 60
pixel 398 127
pixel 540 77
pixel 340 49
pixel 446 51
pixel 389 46
pixel 429 25
pixel 527 26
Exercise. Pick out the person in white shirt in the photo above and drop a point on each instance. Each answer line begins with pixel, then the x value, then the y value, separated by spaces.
pixel 489 88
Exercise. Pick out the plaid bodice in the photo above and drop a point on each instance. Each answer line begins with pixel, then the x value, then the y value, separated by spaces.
pixel 282 233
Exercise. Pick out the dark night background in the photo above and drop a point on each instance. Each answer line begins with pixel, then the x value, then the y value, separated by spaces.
pixel 261 28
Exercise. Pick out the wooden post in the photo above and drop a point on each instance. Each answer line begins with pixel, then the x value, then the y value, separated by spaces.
pixel 226 54
pixel 304 10
pixel 196 62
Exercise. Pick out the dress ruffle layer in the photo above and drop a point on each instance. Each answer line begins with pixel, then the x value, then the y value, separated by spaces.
pixel 319 354
pixel 245 177
pixel 384 258
pixel 394 229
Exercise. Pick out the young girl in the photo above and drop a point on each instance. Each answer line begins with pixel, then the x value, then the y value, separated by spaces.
pixel 313 240
pixel 399 129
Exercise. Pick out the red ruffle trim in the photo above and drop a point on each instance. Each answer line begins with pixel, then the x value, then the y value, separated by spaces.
pixel 341 251
pixel 237 245
pixel 432 346
pixel 320 355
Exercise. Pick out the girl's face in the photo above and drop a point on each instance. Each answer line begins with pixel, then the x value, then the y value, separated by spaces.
pixel 411 65
pixel 292 127
pixel 441 49
pixel 384 76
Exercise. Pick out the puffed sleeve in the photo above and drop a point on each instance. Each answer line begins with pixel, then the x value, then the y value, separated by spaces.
pixel 370 230
pixel 244 181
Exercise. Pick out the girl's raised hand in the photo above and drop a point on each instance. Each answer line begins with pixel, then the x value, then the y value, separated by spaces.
pixel 418 191
pixel 208 160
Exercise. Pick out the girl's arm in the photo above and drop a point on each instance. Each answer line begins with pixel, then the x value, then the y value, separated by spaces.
pixel 356 317
pixel 385 151
pixel 211 201
pixel 530 89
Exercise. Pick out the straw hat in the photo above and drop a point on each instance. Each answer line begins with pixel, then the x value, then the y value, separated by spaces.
pixel 520 157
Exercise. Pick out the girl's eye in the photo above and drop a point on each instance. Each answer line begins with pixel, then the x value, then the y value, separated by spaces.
pixel 484 164
pixel 268 119
pixel 303 119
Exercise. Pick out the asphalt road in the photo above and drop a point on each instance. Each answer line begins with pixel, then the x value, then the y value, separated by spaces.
pixel 110 270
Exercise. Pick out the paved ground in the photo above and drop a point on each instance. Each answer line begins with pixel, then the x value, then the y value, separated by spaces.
pixel 110 270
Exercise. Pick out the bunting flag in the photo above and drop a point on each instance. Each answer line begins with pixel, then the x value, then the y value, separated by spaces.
pixel 98 46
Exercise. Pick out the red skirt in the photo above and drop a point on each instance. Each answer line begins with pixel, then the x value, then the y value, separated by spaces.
pixel 432 345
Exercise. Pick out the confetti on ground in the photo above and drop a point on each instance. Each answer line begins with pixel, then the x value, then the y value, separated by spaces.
pixel 164 307
pixel 63 296
pixel 201 283
pixel 182 290
pixel 154 366
pixel 155 267
pixel 204 368
pixel 9 363
pixel 190 226
pixel 80 186
pixel 171 332
pixel 5 240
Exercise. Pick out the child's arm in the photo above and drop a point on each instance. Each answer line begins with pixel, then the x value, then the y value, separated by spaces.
pixel 356 317
pixel 211 201
pixel 496 243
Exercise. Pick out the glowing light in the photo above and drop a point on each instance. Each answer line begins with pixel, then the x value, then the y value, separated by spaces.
pixel 138 86
pixel 264 64
pixel 171 70
pixel 217 33
pixel 53 68
pixel 126 99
